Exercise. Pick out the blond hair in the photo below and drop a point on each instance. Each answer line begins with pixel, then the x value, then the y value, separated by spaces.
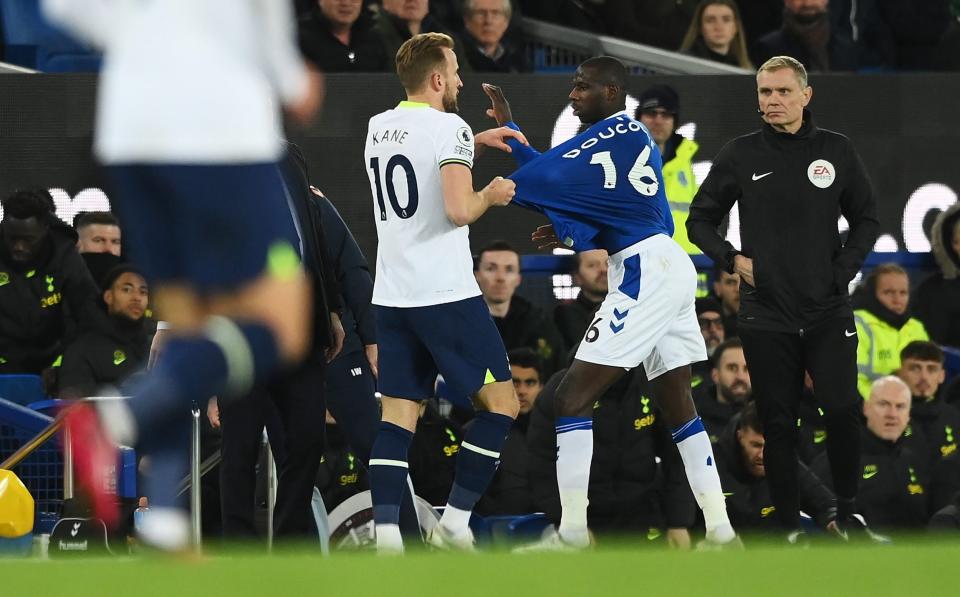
pixel 420 56
pixel 779 62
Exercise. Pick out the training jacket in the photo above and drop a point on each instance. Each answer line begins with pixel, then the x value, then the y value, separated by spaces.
pixel 791 190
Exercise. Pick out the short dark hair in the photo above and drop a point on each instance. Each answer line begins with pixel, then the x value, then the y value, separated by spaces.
pixel 611 71
pixel 922 350
pixel 723 347
pixel 91 218
pixel 497 245
pixel 29 203
pixel 526 357
pixel 750 418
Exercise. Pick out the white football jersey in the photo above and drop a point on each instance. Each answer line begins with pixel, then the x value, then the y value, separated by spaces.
pixel 188 81
pixel 422 257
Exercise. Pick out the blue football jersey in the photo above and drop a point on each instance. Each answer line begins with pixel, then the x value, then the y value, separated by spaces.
pixel 603 189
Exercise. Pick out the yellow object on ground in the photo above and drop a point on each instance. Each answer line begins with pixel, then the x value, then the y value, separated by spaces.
pixel 16 506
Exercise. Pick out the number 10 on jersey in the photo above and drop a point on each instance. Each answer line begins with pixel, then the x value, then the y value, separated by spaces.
pixel 413 197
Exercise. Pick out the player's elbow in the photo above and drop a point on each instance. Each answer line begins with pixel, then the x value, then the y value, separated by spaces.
pixel 458 213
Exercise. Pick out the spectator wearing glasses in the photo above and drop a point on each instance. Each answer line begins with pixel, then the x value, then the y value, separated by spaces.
pixel 485 23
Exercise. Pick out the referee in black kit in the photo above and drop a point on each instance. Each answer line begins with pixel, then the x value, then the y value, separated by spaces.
pixel 792 181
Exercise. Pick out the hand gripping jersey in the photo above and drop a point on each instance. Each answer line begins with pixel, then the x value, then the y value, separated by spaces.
pixel 603 189
pixel 406 148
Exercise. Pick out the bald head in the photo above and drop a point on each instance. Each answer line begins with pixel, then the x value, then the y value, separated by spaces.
pixel 888 409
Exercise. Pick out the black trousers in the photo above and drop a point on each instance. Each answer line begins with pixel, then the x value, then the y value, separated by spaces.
pixel 293 409
pixel 777 362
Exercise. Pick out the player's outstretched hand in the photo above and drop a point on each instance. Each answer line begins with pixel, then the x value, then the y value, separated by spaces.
pixel 545 237
pixel 501 107
pixel 500 191
pixel 496 138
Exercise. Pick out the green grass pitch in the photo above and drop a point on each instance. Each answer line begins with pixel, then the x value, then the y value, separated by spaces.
pixel 908 569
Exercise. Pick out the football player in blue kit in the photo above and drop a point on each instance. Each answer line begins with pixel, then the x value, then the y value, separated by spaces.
pixel 603 189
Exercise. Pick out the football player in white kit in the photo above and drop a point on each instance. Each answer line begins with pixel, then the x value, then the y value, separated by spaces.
pixel 430 315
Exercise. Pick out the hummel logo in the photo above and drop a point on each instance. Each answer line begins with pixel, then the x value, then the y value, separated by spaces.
pixel 756 178
pixel 76 529
pixel 849 334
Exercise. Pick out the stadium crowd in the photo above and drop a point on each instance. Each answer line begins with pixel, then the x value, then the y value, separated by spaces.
pixel 74 311
pixel 837 35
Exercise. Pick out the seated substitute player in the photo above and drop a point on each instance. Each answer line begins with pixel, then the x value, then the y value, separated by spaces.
pixel 429 320
pixel 648 316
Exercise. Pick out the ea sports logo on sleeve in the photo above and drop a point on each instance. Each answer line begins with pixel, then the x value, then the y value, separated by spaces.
pixel 821 173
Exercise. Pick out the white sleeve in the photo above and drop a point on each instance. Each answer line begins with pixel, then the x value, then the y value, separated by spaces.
pixel 284 64
pixel 454 142
pixel 88 20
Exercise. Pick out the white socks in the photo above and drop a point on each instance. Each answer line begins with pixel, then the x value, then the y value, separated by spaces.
pixel 574 454
pixel 455 521
pixel 389 540
pixel 701 468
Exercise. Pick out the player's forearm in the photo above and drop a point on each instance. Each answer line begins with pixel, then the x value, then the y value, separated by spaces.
pixel 467 208
pixel 521 153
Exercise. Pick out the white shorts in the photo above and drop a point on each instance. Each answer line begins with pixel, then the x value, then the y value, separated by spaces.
pixel 648 315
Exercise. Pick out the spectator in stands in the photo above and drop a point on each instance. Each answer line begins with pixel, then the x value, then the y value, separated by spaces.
pixel 399 20
pixel 937 303
pixel 716 33
pixel 433 454
pixel 338 36
pixel 807 36
pixel 894 480
pixel 727 288
pixel 520 322
pixel 659 111
pixel 934 424
pixel 46 292
pixel 508 493
pixel 744 479
pixel 710 318
pixel 589 272
pixel 628 491
pixel 884 324
pixel 717 402
pixel 118 346
pixel 660 23
pixel 97 232
pixel 485 22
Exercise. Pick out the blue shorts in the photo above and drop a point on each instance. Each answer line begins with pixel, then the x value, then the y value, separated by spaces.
pixel 457 340
pixel 210 227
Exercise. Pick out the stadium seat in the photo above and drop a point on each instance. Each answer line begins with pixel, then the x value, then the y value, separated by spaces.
pixel 32 43
pixel 22 389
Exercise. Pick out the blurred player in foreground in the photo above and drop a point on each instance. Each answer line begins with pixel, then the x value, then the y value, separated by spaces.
pixel 188 127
